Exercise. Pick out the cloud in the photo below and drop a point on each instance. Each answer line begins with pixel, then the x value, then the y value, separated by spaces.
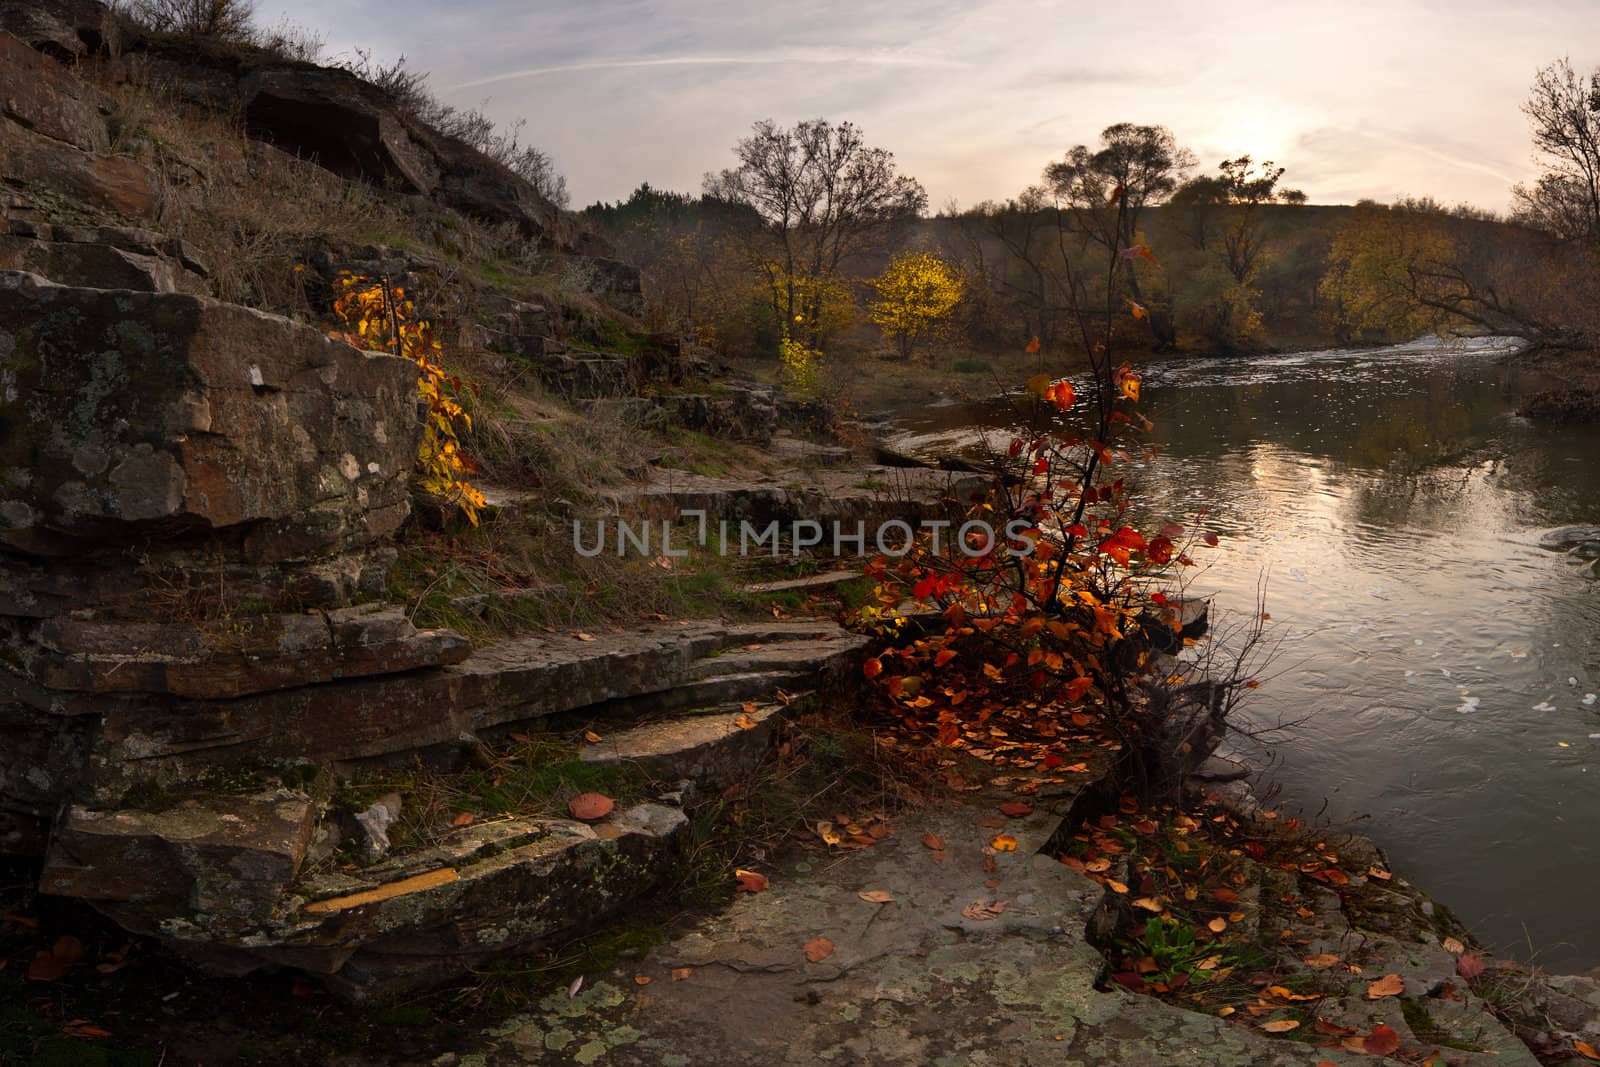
pixel 808 58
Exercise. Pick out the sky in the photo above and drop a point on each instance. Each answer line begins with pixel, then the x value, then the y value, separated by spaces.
pixel 975 97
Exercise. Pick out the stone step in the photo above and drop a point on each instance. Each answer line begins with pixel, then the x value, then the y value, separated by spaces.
pixel 811 583
pixel 404 923
pixel 703 694
pixel 712 747
pixel 790 656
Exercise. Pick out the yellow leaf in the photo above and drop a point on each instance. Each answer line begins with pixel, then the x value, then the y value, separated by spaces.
pixel 1280 1026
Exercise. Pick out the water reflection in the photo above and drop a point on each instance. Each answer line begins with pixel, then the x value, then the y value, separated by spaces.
pixel 1393 503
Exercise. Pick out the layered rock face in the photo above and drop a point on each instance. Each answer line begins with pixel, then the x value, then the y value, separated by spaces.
pixel 192 495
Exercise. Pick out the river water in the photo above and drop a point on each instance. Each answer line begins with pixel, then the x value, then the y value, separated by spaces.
pixel 1436 662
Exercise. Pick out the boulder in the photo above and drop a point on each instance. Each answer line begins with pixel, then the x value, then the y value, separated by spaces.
pixel 128 411
pixel 46 98
pixel 228 858
pixel 64 29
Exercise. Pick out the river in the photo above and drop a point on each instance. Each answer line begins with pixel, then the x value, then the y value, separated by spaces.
pixel 1437 664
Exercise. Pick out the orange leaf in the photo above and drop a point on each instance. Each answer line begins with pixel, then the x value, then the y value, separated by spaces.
pixel 1003 843
pixel 52 964
pixel 642 979
pixel 751 882
pixel 464 819
pixel 944 655
pixel 875 896
pixel 1033 346
pixel 590 806
pixel 1382 1041
pixel 1281 1026
pixel 933 841
pixel 1015 809
pixel 681 973
pixel 1469 967
pixel 818 950
pixel 1390 985
pixel 872 668
pixel 1588 1051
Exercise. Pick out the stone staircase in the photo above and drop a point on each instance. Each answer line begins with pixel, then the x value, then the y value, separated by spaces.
pixel 218 878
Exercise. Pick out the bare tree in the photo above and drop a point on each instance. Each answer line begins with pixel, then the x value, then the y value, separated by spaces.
pixel 1564 110
pixel 822 193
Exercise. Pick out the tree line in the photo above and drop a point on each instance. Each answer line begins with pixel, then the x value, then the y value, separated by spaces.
pixel 814 242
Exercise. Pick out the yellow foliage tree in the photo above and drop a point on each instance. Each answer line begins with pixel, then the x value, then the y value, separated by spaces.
pixel 915 296
pixel 377 317
pixel 1393 273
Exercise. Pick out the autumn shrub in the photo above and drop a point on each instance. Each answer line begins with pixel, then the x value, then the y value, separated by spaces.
pixel 374 315
pixel 1066 602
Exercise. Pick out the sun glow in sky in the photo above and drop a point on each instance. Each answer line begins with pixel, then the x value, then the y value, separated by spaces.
pixel 974 97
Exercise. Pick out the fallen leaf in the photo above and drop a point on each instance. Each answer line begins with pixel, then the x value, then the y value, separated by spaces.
pixel 1390 985
pixel 591 806
pixel 592 737
pixel 1150 904
pixel 1588 1051
pixel 875 896
pixel 1452 946
pixel 463 819
pixel 1322 960
pixel 1469 967
pixel 1280 1026
pixel 751 882
pixel 1382 1041
pixel 1003 843
pixel 585 637
pixel 983 910
pixel 991 822
pixel 53 963
pixel 642 979
pixel 84 1028
pixel 1016 809
pixel 679 974
pixel 577 984
pixel 818 950
pixel 744 721
pixel 1217 925
pixel 933 841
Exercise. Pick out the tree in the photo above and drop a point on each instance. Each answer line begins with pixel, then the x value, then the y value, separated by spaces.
pixel 1021 275
pixel 1220 215
pixel 822 193
pixel 1106 189
pixel 1564 110
pixel 915 296
pixel 1400 272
